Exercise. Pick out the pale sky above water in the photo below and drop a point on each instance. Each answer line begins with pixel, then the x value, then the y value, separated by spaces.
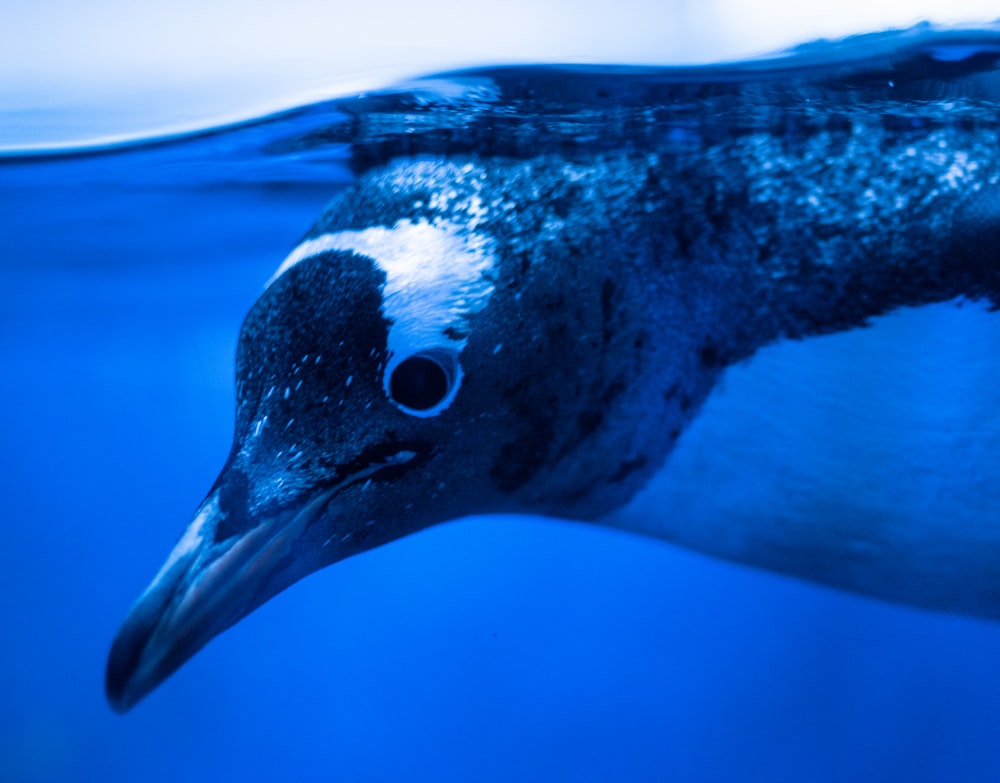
pixel 124 67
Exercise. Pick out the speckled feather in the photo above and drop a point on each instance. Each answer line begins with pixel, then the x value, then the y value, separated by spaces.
pixel 717 252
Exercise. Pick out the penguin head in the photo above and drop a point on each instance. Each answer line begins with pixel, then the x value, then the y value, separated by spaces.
pixel 403 368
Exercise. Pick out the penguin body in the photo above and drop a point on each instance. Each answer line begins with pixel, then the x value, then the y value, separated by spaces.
pixel 475 335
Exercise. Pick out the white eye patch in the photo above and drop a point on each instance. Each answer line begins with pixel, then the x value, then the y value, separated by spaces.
pixel 436 277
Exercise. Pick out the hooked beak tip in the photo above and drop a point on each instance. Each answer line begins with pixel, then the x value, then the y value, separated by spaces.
pixel 122 662
pixel 138 660
pixel 204 587
pixel 133 669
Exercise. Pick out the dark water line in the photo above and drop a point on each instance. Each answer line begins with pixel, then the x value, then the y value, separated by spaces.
pixel 868 63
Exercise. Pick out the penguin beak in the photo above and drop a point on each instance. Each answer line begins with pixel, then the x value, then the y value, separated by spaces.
pixel 204 587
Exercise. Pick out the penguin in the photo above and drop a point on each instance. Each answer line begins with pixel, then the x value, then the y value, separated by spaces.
pixel 464 335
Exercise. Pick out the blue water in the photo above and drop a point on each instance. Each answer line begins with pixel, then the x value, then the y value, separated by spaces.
pixel 491 649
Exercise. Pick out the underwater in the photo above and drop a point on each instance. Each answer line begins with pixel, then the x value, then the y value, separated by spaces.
pixel 675 454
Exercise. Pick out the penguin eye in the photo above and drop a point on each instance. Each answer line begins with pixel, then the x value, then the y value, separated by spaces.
pixel 423 381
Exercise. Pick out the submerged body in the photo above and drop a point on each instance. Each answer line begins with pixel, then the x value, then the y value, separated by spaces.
pixel 470 334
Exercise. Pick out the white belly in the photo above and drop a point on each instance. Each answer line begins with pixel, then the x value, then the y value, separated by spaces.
pixel 869 460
